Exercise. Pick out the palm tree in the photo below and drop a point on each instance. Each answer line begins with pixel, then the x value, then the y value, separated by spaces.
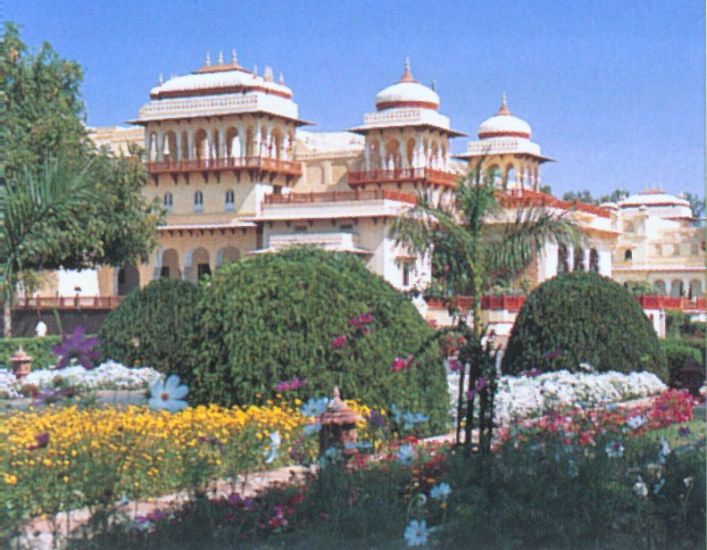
pixel 474 243
pixel 26 203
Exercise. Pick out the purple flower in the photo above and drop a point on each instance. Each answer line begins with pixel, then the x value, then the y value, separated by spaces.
pixel 338 342
pixel 76 347
pixel 554 354
pixel 376 419
pixel 290 385
pixel 454 365
pixel 684 431
pixel 42 441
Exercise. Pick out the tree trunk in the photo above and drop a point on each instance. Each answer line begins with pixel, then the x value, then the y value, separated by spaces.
pixel 7 319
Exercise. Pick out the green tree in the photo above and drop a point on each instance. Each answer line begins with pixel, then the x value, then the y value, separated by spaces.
pixel 473 242
pixel 46 140
pixel 697 205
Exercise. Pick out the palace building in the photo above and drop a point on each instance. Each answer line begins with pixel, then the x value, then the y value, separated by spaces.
pixel 238 173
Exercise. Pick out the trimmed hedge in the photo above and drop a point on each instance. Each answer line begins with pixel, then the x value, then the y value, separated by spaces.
pixel 40 348
pixel 582 317
pixel 154 327
pixel 273 317
pixel 677 353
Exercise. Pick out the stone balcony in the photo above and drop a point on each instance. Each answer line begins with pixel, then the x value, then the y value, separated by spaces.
pixel 424 176
pixel 257 167
pixel 342 241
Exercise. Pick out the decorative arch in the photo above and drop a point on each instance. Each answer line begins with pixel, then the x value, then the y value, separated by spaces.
pixel 233 143
pixel 676 288
pixel 659 286
pixel 197 264
pixel 695 289
pixel 392 154
pixel 128 279
pixel 170 265
pixel 201 144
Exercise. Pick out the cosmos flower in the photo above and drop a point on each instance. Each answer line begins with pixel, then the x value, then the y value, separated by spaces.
pixel 635 422
pixel 168 394
pixel 416 533
pixel 271 452
pixel 401 364
pixel 315 407
pixel 405 454
pixel 76 347
pixel 361 321
pixel 338 342
pixel 441 491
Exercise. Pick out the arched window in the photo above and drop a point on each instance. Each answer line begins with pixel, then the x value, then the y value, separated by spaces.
pixel 659 286
pixel 198 201
pixel 562 259
pixel 229 201
pixel 628 255
pixel 594 260
pixel 676 289
pixel 167 201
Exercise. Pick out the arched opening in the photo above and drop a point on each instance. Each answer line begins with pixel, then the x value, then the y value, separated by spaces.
pixel 392 155
pixel 226 255
pixel 128 279
pixel 186 154
pixel 411 152
pixel 563 265
pixel 199 264
pixel 434 155
pixel 201 142
pixel 170 146
pixel 374 155
pixel 676 289
pixel 276 145
pixel 659 286
pixel 509 179
pixel 695 289
pixel 152 152
pixel 233 143
pixel 628 255
pixel 167 201
pixel 594 260
pixel 170 265
pixel 215 144
pixel 493 173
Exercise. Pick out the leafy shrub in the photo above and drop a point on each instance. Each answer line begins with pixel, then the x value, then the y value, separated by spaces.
pixel 578 318
pixel 274 317
pixel 40 348
pixel 154 327
pixel 677 353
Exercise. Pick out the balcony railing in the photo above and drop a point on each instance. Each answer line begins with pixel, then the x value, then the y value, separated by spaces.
pixel 404 175
pixel 289 168
pixel 338 196
pixel 514 303
pixel 69 302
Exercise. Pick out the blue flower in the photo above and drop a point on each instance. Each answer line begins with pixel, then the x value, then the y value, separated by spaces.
pixel 658 486
pixel 315 407
pixel 416 533
pixel 311 429
pixel 405 454
pixel 635 422
pixel 271 452
pixel 614 449
pixel 168 394
pixel 441 491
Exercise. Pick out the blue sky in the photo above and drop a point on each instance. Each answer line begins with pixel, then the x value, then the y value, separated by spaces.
pixel 614 90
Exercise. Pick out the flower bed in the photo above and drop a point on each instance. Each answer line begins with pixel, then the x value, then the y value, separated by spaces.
pixel 527 396
pixel 107 376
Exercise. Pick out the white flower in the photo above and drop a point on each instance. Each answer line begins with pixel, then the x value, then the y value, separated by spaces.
pixel 665 449
pixel 687 482
pixel 416 533
pixel 587 367
pixel 315 407
pixel 405 454
pixel 614 449
pixel 440 491
pixel 635 422
pixel 168 394
pixel 271 452
pixel 640 488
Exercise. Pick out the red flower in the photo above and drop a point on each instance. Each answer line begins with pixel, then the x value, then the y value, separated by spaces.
pixel 338 342
pixel 401 364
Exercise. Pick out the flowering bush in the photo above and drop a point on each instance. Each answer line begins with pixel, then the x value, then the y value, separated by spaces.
pixel 536 394
pixel 107 376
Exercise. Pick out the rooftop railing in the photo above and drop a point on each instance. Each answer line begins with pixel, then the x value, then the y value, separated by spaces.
pixel 403 175
pixel 338 196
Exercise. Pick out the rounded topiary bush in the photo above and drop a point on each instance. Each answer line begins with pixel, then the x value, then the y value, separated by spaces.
pixel 274 317
pixel 155 327
pixel 677 353
pixel 579 318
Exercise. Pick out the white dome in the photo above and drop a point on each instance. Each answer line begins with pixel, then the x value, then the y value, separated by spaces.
pixel 653 198
pixel 407 93
pixel 504 124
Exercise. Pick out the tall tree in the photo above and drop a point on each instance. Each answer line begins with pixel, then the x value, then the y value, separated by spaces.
pixel 46 140
pixel 697 205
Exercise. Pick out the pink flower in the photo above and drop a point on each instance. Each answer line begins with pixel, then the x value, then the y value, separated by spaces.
pixel 360 321
pixel 401 364
pixel 338 342
pixel 290 385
